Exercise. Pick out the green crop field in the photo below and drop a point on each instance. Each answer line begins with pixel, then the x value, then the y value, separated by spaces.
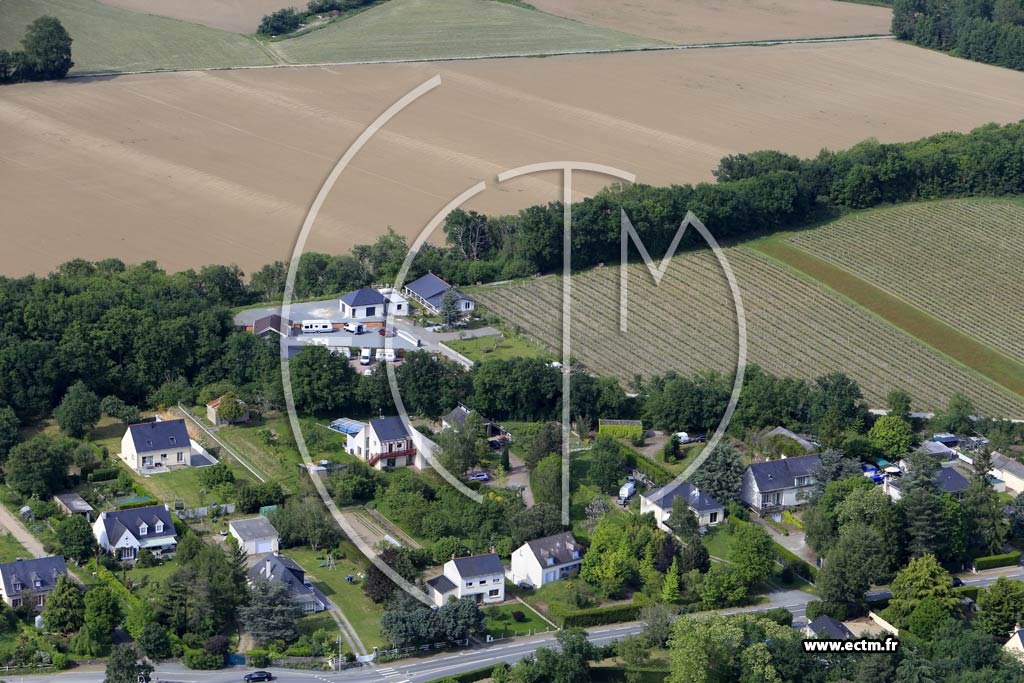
pixel 111 39
pixel 957 260
pixel 795 327
pixel 423 29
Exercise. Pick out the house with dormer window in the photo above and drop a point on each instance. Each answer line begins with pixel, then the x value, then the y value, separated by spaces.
pixel 772 486
pixel 29 582
pixel 123 533
pixel 544 560
pixel 157 446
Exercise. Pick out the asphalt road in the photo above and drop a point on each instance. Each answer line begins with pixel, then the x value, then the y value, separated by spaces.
pixel 451 663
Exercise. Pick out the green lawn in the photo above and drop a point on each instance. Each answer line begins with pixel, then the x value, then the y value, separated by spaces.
pixel 166 486
pixel 280 461
pixel 111 39
pixel 501 624
pixel 495 347
pixel 147 577
pixel 718 541
pixel 421 29
pixel 361 612
pixel 11 549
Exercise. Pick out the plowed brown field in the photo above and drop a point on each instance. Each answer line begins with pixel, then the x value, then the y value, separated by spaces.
pixel 193 168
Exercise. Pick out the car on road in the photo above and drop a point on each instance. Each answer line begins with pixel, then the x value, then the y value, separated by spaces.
pixel 479 476
pixel 256 676
pixel 495 445
pixel 957 582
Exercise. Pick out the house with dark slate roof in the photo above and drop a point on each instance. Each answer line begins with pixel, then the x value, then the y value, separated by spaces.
pixel 429 290
pixel 545 560
pixel 274 567
pixel 481 577
pixel 28 582
pixel 772 486
pixel 368 304
pixel 272 324
pixel 708 511
pixel 123 533
pixel 385 443
pixel 456 419
pixel 157 446
pixel 828 628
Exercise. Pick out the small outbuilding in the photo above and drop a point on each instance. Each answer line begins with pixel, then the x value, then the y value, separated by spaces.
pixel 73 504
pixel 828 628
pixel 256 535
pixel 214 416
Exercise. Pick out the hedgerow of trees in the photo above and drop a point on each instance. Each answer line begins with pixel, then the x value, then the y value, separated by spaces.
pixel 990 31
pixel 45 53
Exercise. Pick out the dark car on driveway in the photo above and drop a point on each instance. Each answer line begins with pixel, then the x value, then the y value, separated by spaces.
pixel 257 676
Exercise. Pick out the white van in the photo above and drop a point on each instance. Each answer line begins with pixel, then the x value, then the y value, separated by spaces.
pixel 316 326
pixel 365 356
pixel 386 354
pixel 354 328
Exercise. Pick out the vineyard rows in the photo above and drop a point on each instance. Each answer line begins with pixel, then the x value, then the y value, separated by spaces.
pixel 958 260
pixel 795 327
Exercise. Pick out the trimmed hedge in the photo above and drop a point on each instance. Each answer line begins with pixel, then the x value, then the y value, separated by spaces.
pixel 823 608
pixel 132 504
pixel 599 616
pixel 472 676
pixel 968 592
pixel 658 474
pixel 993 561
pixel 803 568
pixel 104 474
pixel 780 615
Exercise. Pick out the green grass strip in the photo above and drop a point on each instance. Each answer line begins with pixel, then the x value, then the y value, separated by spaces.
pixel 962 348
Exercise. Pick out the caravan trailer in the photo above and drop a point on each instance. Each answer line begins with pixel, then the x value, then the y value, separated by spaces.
pixel 316 326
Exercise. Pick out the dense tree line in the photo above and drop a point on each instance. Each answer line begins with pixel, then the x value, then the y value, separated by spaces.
pixel 45 54
pixel 990 31
pixel 289 19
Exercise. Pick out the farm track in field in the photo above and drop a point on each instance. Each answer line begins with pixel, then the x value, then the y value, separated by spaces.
pixel 994 365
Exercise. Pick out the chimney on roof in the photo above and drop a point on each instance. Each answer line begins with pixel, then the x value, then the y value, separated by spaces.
pixel 453 556
pixel 266 568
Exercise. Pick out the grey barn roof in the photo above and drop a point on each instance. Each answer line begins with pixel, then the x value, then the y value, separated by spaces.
pixel 159 436
pixel 781 474
pixel 1001 462
pixel 458 416
pixel 560 547
pixel 364 297
pixel 829 628
pixel 431 288
pixel 442 584
pixel 117 522
pixel 697 499
pixel 389 428
pixel 254 528
pixel 479 565
pixel 45 569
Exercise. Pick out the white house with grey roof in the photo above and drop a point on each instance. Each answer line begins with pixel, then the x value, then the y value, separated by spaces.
pixel 772 486
pixel 545 560
pixel 29 582
pixel 123 533
pixel 372 304
pixel 1009 470
pixel 157 446
pixel 385 443
pixel 256 535
pixel 708 511
pixel 480 577
pixel 429 291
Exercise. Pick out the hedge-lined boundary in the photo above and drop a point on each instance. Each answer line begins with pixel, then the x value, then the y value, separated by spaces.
pixel 993 561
